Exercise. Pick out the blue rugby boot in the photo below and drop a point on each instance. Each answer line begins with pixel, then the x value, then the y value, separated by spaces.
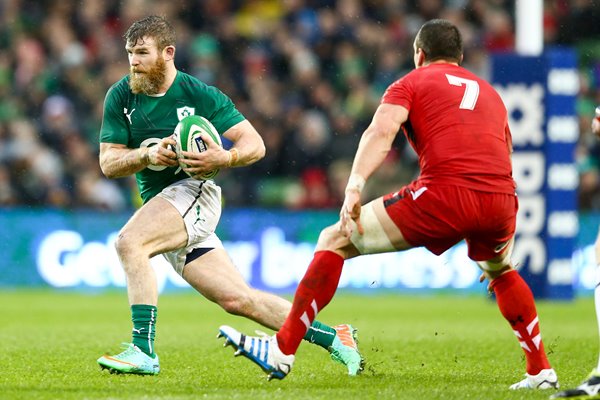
pixel 262 350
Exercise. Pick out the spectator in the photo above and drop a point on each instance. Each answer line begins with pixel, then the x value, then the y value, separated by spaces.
pixel 285 65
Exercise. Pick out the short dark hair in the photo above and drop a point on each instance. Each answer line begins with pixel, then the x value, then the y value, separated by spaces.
pixel 152 26
pixel 440 40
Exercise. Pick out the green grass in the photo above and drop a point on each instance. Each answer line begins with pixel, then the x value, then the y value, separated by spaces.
pixel 436 347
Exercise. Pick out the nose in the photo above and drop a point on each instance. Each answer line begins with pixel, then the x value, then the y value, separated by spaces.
pixel 133 60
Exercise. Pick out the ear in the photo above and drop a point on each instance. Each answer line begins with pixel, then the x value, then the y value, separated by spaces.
pixel 420 57
pixel 169 53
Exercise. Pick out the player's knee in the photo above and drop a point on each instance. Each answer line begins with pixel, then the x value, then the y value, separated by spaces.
pixel 331 239
pixel 236 305
pixel 126 245
pixel 493 274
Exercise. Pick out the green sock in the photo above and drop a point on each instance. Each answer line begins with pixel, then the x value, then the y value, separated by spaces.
pixel 320 334
pixel 144 327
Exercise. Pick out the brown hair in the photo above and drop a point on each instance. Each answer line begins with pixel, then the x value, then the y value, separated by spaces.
pixel 440 40
pixel 152 26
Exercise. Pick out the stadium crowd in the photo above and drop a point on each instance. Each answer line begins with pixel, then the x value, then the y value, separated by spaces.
pixel 307 73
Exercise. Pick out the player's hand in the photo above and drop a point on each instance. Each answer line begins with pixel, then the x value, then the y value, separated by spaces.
pixel 350 214
pixel 596 127
pixel 163 153
pixel 482 278
pixel 210 159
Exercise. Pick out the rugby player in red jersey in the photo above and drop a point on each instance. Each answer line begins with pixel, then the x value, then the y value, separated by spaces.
pixel 457 124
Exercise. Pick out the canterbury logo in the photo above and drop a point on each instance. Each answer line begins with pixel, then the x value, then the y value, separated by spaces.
pixel 417 193
pixel 501 247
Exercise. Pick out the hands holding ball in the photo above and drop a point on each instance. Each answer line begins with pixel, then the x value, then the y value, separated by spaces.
pixel 195 146
pixel 195 136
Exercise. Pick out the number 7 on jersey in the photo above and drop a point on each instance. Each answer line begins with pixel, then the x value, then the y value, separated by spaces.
pixel 471 91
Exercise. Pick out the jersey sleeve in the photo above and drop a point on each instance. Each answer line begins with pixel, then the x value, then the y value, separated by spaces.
pixel 114 126
pixel 399 93
pixel 222 112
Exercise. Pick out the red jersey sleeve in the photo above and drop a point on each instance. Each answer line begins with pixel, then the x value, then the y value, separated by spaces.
pixel 399 93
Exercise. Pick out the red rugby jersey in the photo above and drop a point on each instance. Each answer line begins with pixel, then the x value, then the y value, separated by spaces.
pixel 457 124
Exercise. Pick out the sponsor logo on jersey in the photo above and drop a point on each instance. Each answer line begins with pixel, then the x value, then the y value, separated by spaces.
pixel 417 193
pixel 501 247
pixel 128 115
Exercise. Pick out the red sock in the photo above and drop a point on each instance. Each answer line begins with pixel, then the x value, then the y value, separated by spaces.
pixel 314 292
pixel 517 305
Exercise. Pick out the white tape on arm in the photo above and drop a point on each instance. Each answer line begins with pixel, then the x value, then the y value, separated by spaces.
pixel 355 182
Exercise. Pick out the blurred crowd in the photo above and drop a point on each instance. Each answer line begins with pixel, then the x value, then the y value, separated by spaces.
pixel 307 74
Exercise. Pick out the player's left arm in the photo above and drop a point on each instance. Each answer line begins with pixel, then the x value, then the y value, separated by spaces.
pixel 248 146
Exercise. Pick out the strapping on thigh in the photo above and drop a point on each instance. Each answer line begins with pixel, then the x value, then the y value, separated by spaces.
pixel 374 240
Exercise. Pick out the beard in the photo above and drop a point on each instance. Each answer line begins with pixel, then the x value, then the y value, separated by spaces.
pixel 148 82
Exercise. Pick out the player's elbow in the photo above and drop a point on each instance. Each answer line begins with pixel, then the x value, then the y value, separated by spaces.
pixel 387 133
pixel 107 173
pixel 106 170
pixel 382 135
pixel 256 152
pixel 104 159
pixel 261 150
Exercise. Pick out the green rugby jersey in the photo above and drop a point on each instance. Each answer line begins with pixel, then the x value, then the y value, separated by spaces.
pixel 137 120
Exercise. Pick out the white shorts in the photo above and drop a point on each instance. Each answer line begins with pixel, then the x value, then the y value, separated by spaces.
pixel 199 203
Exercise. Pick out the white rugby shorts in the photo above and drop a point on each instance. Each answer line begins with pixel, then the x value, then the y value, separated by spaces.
pixel 199 203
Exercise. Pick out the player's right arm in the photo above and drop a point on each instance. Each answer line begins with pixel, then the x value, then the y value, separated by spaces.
pixel 116 158
pixel 375 144
pixel 376 141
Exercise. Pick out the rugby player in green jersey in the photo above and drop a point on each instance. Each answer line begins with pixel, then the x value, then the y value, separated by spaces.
pixel 180 214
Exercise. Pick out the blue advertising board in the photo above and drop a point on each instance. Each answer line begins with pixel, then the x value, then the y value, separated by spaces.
pixel 540 95
pixel 271 249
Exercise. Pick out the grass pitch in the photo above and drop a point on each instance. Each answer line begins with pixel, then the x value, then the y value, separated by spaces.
pixel 431 347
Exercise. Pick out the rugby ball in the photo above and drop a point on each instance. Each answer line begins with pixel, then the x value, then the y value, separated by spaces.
pixel 187 135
